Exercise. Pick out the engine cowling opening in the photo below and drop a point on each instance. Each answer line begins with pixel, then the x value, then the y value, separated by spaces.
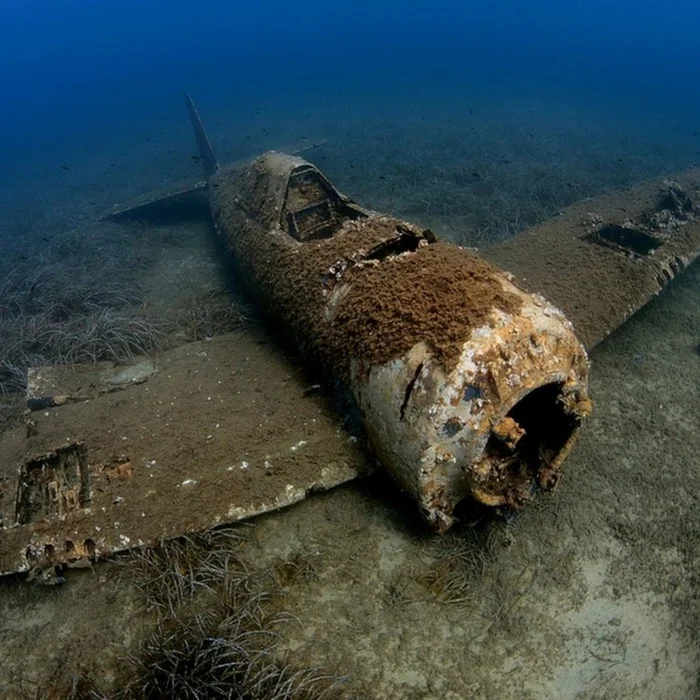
pixel 525 448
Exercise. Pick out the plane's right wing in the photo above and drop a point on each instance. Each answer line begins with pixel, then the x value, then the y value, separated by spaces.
pixel 603 259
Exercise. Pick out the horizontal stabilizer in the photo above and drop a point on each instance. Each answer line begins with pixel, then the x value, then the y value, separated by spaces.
pixel 602 259
pixel 187 201
pixel 303 145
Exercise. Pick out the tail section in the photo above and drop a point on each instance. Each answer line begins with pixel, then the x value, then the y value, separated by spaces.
pixel 206 152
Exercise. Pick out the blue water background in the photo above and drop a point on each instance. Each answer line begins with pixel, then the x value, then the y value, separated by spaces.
pixel 83 75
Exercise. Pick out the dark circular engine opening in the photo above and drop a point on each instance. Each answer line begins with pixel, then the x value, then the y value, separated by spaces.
pixel 548 426
pixel 525 449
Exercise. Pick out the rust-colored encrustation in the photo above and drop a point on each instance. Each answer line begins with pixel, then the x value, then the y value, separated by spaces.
pixel 433 346
pixel 370 289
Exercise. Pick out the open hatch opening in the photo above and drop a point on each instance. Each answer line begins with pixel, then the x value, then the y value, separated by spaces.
pixel 53 485
pixel 525 449
pixel 629 241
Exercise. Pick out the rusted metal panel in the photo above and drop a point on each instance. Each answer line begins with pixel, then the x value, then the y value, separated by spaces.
pixel 602 259
pixel 222 432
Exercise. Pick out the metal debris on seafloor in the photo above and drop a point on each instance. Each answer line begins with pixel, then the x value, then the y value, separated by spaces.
pixel 56 385
pixel 469 382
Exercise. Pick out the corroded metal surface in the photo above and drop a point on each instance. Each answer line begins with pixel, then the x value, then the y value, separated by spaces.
pixel 222 432
pixel 602 259
pixel 494 429
pixel 467 387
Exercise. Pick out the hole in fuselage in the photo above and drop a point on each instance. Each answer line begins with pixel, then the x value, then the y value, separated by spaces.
pixel 522 450
pixel 405 242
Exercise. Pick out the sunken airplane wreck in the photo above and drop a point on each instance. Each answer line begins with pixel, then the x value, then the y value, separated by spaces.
pixel 467 371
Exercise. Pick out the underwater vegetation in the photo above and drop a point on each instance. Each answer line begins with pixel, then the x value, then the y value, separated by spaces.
pixel 211 630
pixel 79 296
pixel 211 313
pixel 72 297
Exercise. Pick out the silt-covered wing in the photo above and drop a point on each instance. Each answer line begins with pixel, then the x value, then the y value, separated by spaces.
pixel 602 259
pixel 223 430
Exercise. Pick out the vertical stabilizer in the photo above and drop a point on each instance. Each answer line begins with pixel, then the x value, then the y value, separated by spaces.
pixel 206 152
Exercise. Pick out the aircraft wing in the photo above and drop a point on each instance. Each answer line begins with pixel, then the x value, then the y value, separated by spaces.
pixel 602 259
pixel 215 432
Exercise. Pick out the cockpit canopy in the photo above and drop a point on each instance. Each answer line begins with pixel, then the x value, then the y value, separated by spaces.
pixel 313 208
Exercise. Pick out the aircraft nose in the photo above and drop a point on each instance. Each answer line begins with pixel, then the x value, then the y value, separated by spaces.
pixel 493 430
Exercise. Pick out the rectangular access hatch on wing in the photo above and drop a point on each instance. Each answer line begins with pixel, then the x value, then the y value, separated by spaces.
pixel 629 241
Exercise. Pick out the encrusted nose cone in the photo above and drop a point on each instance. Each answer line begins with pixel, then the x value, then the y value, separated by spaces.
pixel 493 429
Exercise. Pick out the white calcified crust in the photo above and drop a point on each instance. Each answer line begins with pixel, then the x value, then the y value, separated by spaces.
pixel 430 428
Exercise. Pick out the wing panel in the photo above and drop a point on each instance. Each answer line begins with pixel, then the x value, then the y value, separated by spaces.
pixel 602 259
pixel 223 431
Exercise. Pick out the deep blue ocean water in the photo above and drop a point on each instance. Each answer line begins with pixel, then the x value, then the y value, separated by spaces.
pixel 77 74
pixel 474 117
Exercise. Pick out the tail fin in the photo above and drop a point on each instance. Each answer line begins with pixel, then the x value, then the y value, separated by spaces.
pixel 206 152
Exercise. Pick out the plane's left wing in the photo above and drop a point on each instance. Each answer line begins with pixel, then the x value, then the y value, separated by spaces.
pixel 213 433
